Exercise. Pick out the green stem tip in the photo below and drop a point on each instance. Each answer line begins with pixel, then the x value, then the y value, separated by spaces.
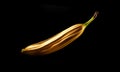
pixel 91 19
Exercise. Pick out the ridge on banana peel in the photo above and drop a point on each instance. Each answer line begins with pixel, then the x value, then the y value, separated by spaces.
pixel 59 40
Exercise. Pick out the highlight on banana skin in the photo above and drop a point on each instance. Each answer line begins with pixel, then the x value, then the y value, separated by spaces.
pixel 59 40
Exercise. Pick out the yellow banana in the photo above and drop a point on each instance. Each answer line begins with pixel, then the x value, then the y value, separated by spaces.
pixel 58 41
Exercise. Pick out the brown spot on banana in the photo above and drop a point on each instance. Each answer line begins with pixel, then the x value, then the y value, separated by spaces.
pixel 58 41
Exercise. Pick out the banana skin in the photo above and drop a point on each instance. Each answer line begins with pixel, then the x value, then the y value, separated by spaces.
pixel 59 40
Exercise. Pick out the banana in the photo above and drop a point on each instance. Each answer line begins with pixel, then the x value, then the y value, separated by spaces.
pixel 59 40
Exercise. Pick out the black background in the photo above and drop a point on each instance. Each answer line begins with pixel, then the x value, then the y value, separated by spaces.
pixel 30 22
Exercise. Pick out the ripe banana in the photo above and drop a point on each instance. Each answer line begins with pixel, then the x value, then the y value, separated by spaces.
pixel 58 41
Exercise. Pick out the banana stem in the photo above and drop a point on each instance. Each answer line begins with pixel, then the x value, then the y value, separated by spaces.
pixel 91 19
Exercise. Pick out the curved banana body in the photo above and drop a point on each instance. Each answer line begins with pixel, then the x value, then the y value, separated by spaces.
pixel 58 41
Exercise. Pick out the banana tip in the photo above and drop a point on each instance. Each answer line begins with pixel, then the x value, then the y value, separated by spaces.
pixel 22 50
pixel 95 14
